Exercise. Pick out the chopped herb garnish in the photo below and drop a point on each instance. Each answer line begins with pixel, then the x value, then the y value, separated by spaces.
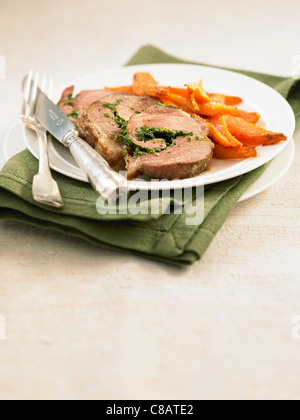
pixel 158 104
pixel 69 100
pixel 151 133
pixel 74 114
pixel 144 133
pixel 112 106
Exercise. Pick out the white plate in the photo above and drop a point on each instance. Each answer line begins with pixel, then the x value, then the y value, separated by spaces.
pixel 14 144
pixel 276 113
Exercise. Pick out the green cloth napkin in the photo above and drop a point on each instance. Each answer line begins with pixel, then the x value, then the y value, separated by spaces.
pixel 165 237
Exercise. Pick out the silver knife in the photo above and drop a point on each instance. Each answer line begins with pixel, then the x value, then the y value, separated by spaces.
pixel 105 180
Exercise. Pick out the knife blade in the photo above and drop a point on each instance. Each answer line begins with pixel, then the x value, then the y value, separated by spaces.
pixel 52 117
pixel 102 177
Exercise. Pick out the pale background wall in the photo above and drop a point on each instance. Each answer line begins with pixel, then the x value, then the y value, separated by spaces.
pixel 88 323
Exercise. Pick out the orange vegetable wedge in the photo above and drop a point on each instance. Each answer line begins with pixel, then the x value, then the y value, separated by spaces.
pixel 212 109
pixel 220 126
pixel 179 102
pixel 250 134
pixel 218 133
pixel 179 91
pixel 242 152
pixel 274 140
pixel 224 99
pixel 209 109
pixel 125 89
pixel 197 94
pixel 144 84
pixel 214 97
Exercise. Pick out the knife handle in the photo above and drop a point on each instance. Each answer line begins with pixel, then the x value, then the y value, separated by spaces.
pixel 105 180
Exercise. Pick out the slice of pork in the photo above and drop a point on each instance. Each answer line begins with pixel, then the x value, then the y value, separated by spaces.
pixel 98 128
pixel 129 104
pixel 82 101
pixel 186 159
pixel 191 154
pixel 164 118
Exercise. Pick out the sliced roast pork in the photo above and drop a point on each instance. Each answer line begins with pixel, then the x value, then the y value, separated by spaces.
pixel 189 154
pixel 163 142
pixel 74 107
pixel 98 127
pixel 184 160
pixel 128 104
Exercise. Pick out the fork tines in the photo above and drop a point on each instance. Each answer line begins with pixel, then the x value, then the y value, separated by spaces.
pixel 30 91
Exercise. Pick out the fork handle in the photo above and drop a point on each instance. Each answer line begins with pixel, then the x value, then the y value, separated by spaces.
pixel 44 188
pixel 105 180
pixel 44 168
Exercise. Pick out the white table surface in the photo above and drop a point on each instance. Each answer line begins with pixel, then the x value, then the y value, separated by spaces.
pixel 87 323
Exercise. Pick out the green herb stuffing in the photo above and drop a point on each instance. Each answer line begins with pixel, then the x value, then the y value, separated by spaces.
pixel 74 114
pixel 151 133
pixel 123 124
pixel 158 104
pixel 113 106
pixel 69 100
pixel 143 134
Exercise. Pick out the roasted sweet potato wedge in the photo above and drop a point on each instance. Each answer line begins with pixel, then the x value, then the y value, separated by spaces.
pixel 197 94
pixel 224 99
pixel 145 84
pixel 220 127
pixel 125 89
pixel 274 140
pixel 243 152
pixel 209 109
pixel 214 97
pixel 179 101
pixel 250 134
pixel 179 91
pixel 212 109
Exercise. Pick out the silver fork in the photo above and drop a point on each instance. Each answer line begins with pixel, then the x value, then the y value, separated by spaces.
pixel 44 189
